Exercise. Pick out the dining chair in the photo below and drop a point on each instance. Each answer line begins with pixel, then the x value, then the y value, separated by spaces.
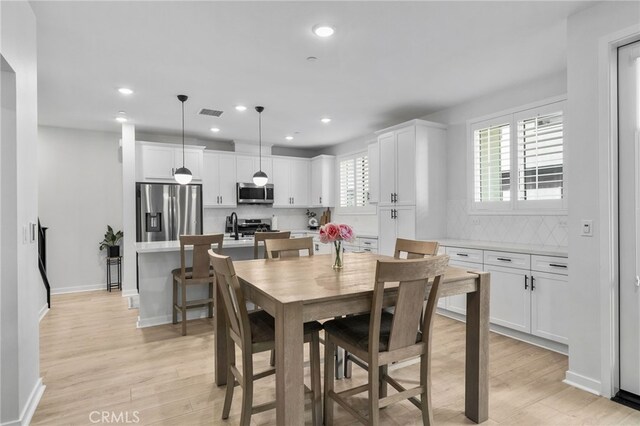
pixel 259 237
pixel 253 333
pixel 405 249
pixel 414 249
pixel 380 338
pixel 198 273
pixel 288 248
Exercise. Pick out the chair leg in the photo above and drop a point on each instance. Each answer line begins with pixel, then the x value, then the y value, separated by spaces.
pixel 383 385
pixel 175 301
pixel 272 361
pixel 183 304
pixel 425 382
pixel 329 377
pixel 247 388
pixel 374 396
pixel 348 366
pixel 314 354
pixel 228 396
pixel 211 297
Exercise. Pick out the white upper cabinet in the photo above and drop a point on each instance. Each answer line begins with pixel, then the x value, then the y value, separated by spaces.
pixel 219 180
pixel 322 183
pixel 398 167
pixel 248 165
pixel 159 161
pixel 291 182
pixel 374 172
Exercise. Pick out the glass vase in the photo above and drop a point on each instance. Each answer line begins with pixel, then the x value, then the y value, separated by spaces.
pixel 338 260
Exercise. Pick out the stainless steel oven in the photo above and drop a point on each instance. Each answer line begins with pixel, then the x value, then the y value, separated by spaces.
pixel 250 193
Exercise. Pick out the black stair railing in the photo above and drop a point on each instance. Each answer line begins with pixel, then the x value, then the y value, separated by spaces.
pixel 42 260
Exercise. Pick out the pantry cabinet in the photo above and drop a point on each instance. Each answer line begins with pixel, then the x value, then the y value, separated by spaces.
pixel 395 222
pixel 291 182
pixel 323 175
pixel 219 180
pixel 157 162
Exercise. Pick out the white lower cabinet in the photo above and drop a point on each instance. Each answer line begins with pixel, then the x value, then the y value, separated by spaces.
pixel 395 222
pixel 531 297
pixel 510 304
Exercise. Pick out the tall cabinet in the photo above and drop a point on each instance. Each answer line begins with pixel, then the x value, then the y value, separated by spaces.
pixel 412 183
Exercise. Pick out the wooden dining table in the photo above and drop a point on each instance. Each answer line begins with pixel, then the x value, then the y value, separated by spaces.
pixel 296 290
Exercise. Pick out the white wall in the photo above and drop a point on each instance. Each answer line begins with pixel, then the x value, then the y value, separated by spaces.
pixel 529 229
pixel 18 47
pixel 585 31
pixel 80 192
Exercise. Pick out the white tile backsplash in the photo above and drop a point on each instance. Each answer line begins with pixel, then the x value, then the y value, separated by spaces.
pixel 288 219
pixel 520 229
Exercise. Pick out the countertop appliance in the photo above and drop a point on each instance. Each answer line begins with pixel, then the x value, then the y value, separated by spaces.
pixel 250 193
pixel 248 227
pixel 164 211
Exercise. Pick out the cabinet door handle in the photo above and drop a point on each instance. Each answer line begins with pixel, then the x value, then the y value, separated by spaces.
pixel 526 282
pixel 368 195
pixel 533 286
pixel 462 254
pixel 503 259
pixel 320 200
pixel 395 197
pixel 391 211
pixel 557 265
pixel 221 199
pixel 391 197
pixel 172 171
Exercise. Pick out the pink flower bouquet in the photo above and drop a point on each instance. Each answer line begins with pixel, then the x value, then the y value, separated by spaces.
pixel 336 234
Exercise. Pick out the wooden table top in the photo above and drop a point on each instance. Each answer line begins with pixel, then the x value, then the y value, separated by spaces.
pixel 312 279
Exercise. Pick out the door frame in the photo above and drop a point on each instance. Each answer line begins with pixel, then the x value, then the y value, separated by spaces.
pixel 608 187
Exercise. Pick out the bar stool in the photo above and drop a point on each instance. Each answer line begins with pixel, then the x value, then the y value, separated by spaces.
pixel 198 273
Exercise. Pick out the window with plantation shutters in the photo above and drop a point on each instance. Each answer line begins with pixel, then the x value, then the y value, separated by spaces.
pixel 492 163
pixel 540 157
pixel 518 160
pixel 354 181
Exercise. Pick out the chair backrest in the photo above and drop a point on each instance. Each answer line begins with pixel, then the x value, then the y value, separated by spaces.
pixel 413 276
pixel 232 298
pixel 262 236
pixel 288 248
pixel 415 249
pixel 201 245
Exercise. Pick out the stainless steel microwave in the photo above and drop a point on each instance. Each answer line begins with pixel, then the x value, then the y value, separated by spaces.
pixel 250 193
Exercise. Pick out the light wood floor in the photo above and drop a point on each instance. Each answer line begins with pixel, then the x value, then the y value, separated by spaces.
pixel 94 359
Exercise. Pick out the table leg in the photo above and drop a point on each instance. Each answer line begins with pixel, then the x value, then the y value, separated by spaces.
pixel 220 329
pixel 289 365
pixel 477 352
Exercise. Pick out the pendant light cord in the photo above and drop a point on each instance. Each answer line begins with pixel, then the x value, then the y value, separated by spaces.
pixel 260 136
pixel 183 134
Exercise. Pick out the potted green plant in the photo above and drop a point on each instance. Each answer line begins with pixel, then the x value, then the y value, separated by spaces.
pixel 110 242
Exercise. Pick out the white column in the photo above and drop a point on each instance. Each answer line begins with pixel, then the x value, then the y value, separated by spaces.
pixel 129 210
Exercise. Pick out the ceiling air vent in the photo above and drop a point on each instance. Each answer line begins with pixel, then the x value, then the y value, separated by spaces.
pixel 211 112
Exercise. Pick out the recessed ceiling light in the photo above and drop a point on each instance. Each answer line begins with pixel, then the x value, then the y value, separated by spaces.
pixel 322 30
pixel 312 58
pixel 289 138
pixel 215 129
pixel 121 119
pixel 241 108
pixel 326 120
pixel 125 91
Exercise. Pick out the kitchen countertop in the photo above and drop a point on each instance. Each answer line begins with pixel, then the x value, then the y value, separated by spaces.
pixel 559 251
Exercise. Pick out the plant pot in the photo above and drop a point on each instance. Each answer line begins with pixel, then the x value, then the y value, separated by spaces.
pixel 113 251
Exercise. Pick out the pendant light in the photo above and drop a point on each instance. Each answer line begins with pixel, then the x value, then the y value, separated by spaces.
pixel 260 178
pixel 183 175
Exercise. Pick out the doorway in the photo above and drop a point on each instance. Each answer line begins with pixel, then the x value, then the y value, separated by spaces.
pixel 629 222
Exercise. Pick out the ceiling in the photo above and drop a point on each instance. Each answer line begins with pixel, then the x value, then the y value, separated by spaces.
pixel 387 62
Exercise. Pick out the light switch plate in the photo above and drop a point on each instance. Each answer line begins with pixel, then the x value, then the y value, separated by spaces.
pixel 587 228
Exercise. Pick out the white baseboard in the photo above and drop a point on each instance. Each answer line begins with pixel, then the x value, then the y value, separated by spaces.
pixel 30 407
pixel 129 293
pixel 167 319
pixel 582 382
pixel 43 311
pixel 79 288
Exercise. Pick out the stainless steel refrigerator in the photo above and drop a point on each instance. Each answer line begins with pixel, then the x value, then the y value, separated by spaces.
pixel 165 211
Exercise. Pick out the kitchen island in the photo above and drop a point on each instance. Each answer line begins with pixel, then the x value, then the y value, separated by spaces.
pixel 156 260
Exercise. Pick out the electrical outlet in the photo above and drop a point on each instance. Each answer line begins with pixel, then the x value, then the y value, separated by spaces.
pixel 587 228
pixel 475 221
